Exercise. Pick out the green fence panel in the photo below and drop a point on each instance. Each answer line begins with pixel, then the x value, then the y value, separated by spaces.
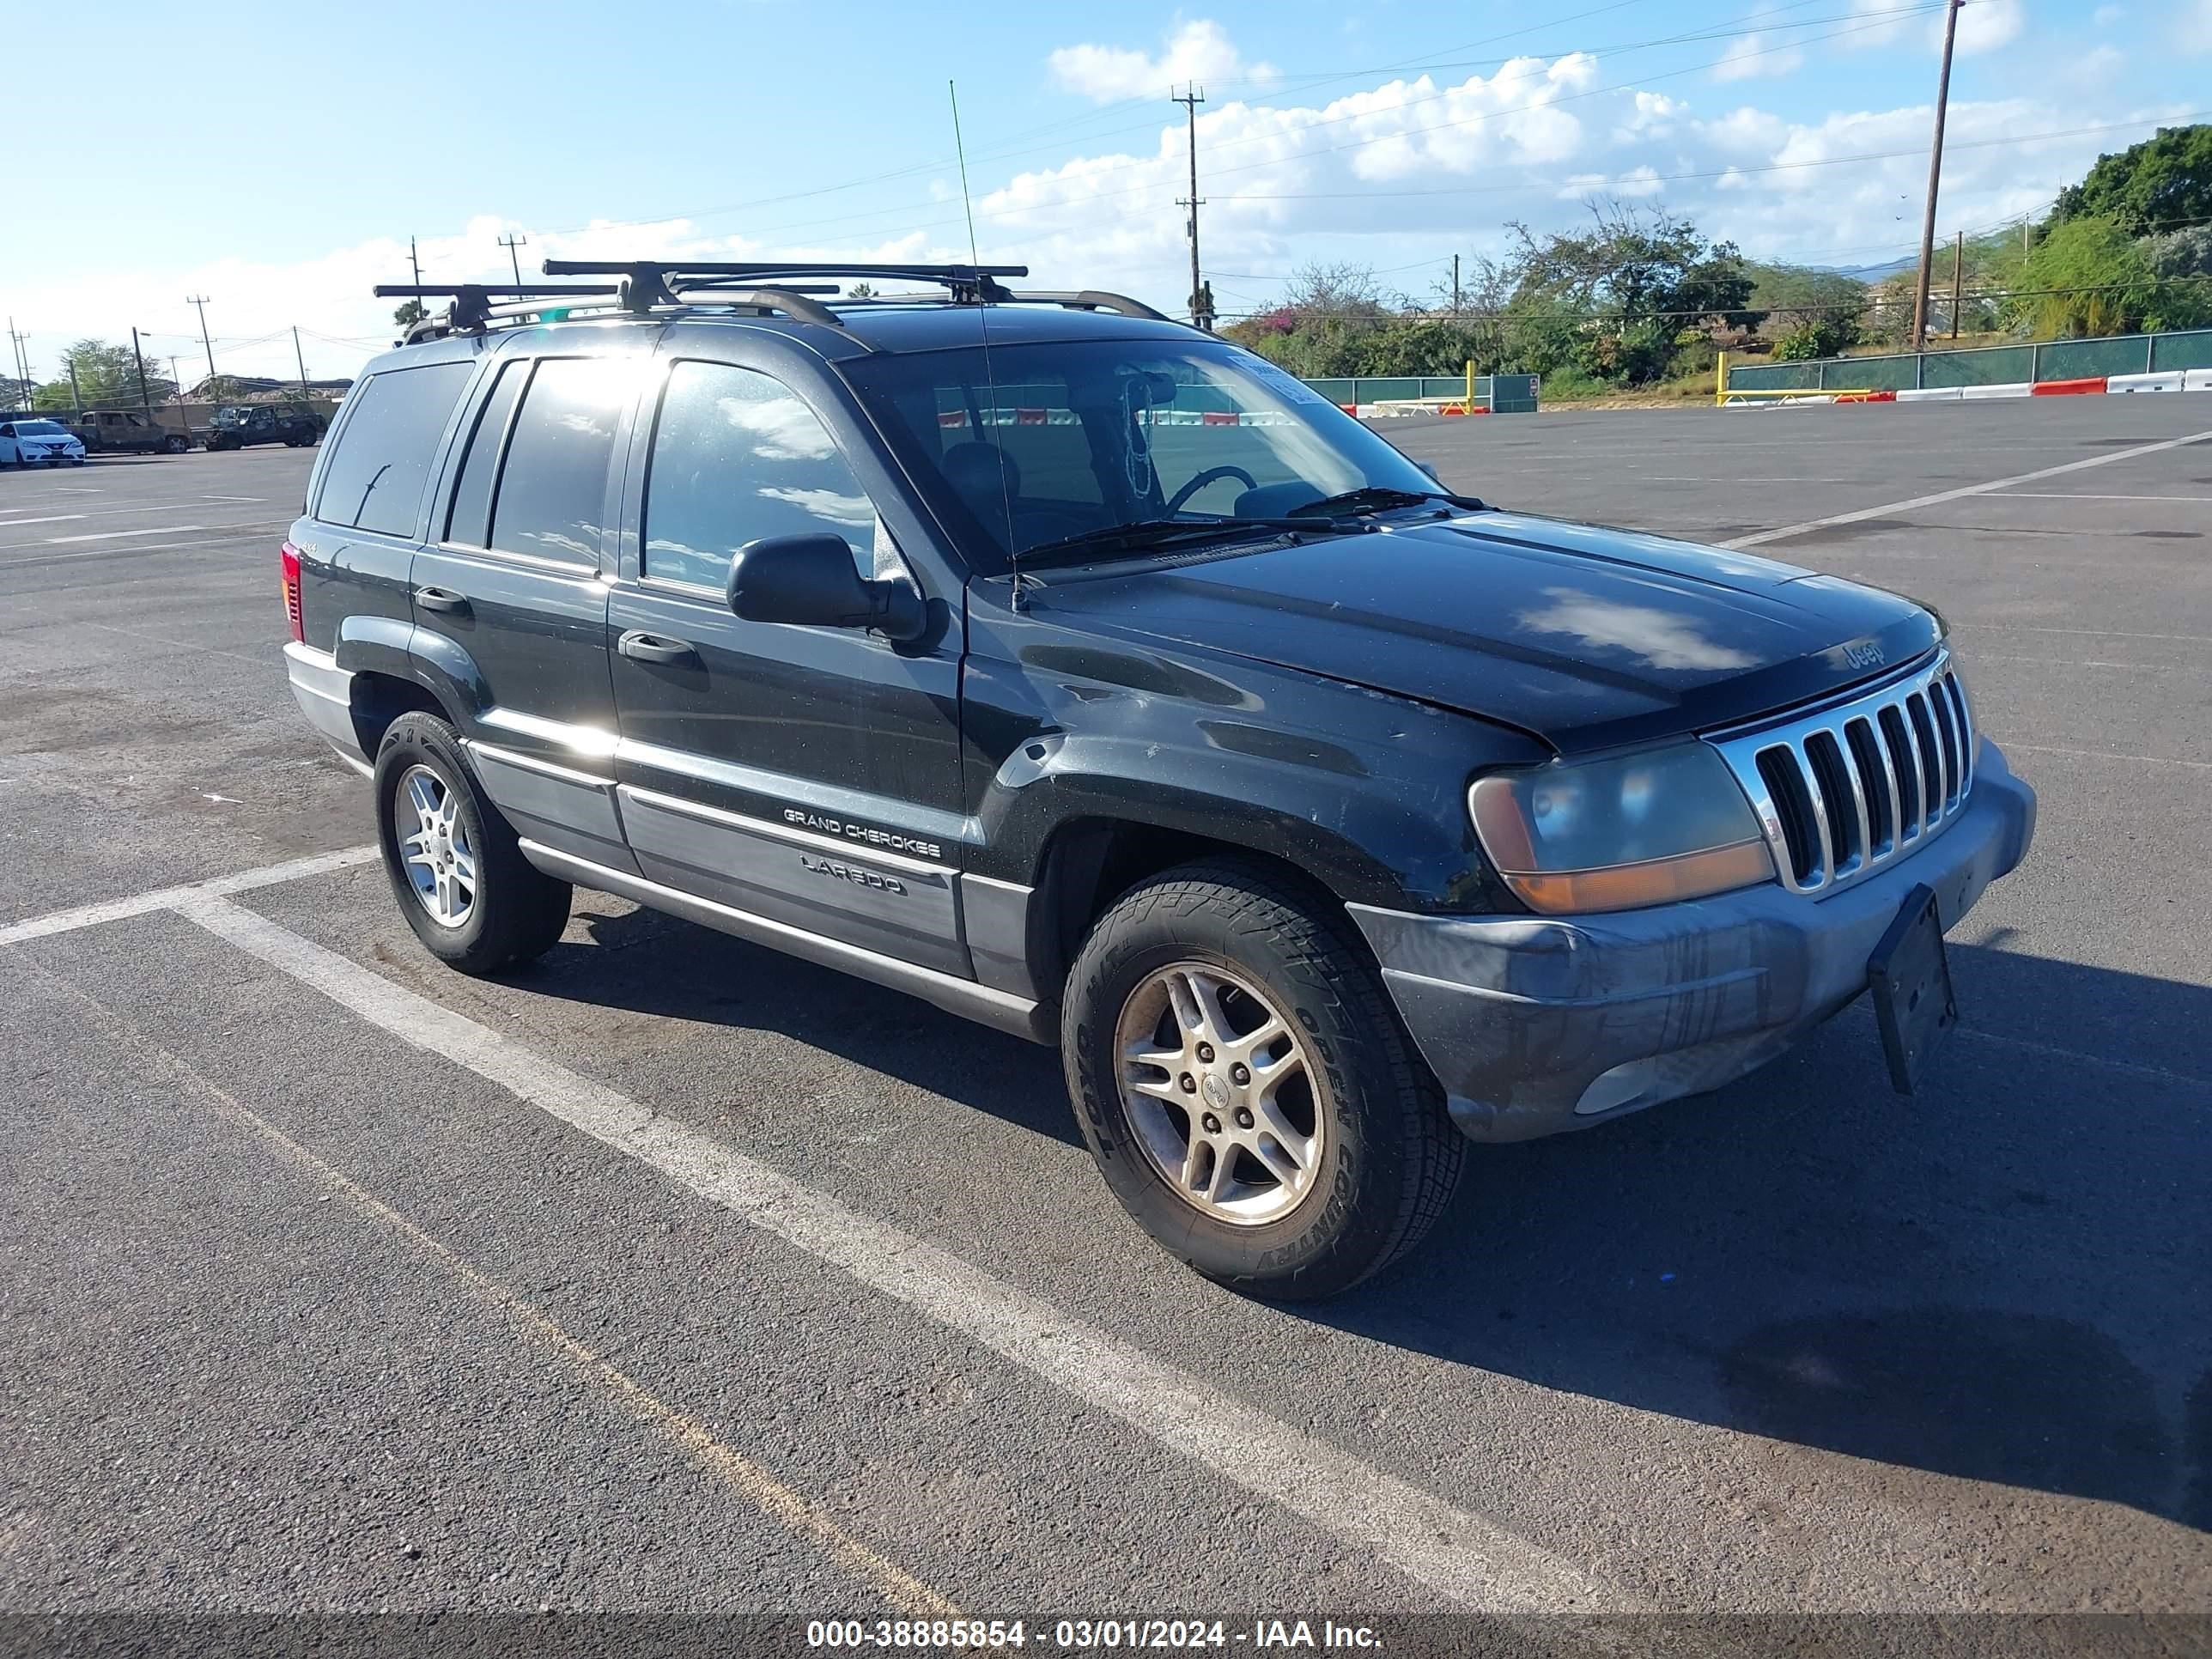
pixel 2191 350
pixel 1867 374
pixel 1991 366
pixel 1774 377
pixel 1513 394
pixel 1337 390
pixel 2082 360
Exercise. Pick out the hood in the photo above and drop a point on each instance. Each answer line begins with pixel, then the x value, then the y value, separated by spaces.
pixel 1586 636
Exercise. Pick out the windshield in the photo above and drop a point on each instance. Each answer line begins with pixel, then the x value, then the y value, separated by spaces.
pixel 39 429
pixel 1080 436
pixel 230 417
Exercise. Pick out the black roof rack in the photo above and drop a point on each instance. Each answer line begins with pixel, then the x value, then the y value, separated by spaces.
pixel 649 282
pixel 471 302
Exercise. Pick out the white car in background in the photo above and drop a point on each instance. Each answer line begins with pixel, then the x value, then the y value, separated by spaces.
pixel 39 442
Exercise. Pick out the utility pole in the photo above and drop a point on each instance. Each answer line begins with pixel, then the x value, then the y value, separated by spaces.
pixel 1454 286
pixel 22 362
pixel 145 398
pixel 1958 270
pixel 414 262
pixel 198 302
pixel 300 358
pixel 1201 310
pixel 1935 178
pixel 510 243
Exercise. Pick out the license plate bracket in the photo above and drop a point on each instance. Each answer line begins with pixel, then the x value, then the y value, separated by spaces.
pixel 1910 977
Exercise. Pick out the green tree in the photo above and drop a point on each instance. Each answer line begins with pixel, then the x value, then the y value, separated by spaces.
pixel 106 376
pixel 2162 184
pixel 2090 277
pixel 408 313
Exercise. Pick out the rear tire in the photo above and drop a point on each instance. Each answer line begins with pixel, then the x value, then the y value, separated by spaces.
pixel 1327 1156
pixel 462 882
pixel 174 446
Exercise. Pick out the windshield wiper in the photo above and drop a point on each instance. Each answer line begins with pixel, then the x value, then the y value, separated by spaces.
pixel 1380 498
pixel 1143 535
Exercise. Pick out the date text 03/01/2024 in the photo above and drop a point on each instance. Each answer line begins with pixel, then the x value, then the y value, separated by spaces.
pixel 1087 1634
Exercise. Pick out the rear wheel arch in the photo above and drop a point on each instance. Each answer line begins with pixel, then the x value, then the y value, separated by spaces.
pixel 379 699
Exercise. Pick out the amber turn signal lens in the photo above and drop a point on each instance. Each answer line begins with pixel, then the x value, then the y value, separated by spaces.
pixel 1659 881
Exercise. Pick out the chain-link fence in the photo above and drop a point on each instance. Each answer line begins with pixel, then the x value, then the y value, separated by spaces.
pixel 1503 394
pixel 2007 365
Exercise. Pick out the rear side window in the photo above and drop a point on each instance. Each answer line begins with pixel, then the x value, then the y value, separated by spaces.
pixel 553 487
pixel 374 479
pixel 736 457
pixel 469 522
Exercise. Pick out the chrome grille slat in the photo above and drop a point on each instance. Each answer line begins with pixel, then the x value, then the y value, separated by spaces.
pixel 1845 790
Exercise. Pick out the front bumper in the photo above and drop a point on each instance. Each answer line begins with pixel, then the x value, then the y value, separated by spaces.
pixel 1535 1025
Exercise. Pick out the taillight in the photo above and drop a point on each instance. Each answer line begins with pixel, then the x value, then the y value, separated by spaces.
pixel 290 556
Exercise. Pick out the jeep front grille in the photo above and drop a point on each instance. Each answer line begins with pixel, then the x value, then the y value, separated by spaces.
pixel 1842 792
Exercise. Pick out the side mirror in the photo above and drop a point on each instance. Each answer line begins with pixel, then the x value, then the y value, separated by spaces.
pixel 810 581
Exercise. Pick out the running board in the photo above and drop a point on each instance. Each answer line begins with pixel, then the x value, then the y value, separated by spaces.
pixel 1001 1011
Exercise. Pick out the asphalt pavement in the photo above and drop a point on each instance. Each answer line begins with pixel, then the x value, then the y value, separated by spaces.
pixel 671 1274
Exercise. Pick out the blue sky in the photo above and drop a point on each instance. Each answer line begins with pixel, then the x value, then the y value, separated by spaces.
pixel 1384 133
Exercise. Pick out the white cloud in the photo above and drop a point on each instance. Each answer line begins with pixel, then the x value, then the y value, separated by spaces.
pixel 1987 25
pixel 1198 51
pixel 1748 58
pixel 2105 16
pixel 2194 32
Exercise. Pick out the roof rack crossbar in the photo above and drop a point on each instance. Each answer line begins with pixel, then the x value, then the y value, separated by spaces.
pixel 968 283
pixel 470 304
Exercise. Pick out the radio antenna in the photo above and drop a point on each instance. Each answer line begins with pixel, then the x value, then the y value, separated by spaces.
pixel 984 322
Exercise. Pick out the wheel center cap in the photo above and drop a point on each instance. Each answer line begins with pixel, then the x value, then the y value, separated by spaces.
pixel 1215 1090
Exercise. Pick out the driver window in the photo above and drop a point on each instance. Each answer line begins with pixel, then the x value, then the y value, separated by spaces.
pixel 737 457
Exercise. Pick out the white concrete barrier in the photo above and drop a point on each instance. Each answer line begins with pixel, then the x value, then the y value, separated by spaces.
pixel 2011 389
pixel 1933 394
pixel 2164 380
pixel 2197 380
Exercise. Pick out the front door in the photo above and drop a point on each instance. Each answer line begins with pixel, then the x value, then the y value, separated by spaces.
pixel 809 776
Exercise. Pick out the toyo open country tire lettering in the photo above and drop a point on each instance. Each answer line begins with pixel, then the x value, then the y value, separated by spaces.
pixel 508 911
pixel 1195 992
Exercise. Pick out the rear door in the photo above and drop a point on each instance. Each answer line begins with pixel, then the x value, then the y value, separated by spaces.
pixel 509 599
pixel 810 775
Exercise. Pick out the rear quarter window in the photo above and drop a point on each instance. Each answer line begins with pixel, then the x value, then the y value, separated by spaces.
pixel 375 475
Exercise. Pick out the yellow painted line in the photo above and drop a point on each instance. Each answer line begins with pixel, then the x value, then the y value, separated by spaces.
pixel 779 1502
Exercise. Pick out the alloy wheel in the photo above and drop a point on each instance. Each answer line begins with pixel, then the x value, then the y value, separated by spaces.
pixel 440 860
pixel 1222 1092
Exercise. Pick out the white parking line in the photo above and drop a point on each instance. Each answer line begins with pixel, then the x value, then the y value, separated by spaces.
pixel 113 535
pixel 1861 515
pixel 2068 495
pixel 167 898
pixel 58 517
pixel 1471 1560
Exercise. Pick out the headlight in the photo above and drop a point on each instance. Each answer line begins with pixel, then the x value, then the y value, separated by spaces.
pixel 1613 835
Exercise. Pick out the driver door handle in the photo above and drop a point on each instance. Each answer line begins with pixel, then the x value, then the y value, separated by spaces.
pixel 655 647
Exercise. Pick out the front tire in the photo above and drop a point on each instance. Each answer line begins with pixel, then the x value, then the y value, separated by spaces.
pixel 462 882
pixel 1245 1087
pixel 174 446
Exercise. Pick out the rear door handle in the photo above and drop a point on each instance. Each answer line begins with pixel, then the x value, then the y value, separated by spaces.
pixel 442 599
pixel 655 647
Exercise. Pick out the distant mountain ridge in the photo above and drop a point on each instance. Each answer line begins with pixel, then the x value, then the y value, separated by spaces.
pixel 1869 273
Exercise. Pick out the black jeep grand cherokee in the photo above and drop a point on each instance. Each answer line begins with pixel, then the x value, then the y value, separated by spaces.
pixel 1085 675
